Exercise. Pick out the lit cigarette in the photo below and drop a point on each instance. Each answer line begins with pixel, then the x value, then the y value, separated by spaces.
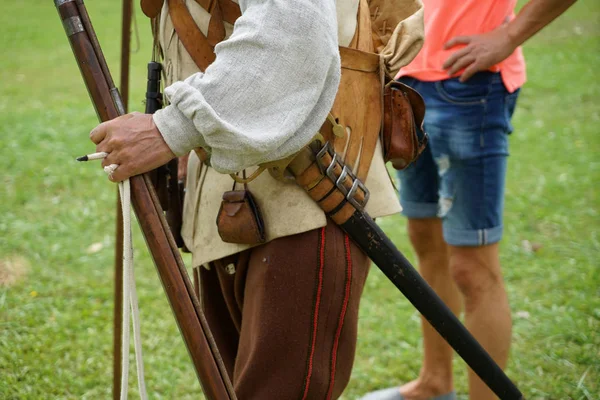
pixel 93 156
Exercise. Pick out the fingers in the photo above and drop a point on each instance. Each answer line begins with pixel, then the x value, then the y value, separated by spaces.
pixel 111 158
pixel 120 158
pixel 455 56
pixel 460 64
pixel 457 40
pixel 116 172
pixel 98 134
pixel 133 142
pixel 120 174
pixel 469 72
pixel 109 144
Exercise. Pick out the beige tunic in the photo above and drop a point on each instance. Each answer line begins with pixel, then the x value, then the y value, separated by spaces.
pixel 286 208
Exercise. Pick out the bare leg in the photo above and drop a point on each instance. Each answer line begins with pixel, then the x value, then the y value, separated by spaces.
pixel 477 273
pixel 435 377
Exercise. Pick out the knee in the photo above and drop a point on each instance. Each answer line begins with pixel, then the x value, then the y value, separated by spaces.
pixel 473 277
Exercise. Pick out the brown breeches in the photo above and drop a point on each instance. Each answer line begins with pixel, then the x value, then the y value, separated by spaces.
pixel 285 321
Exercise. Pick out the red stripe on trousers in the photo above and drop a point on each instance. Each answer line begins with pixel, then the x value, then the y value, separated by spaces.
pixel 342 316
pixel 316 314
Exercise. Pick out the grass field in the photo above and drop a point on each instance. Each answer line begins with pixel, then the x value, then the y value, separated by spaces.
pixel 57 219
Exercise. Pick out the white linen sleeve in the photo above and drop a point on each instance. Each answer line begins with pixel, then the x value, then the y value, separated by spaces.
pixel 268 91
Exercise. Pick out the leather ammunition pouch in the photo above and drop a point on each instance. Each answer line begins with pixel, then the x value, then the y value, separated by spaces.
pixel 239 219
pixel 402 135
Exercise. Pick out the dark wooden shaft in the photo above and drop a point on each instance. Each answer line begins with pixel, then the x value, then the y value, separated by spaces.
pixel 118 313
pixel 125 51
pixel 118 302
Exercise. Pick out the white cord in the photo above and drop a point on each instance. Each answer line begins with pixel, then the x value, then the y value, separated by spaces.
pixel 129 293
pixel 127 264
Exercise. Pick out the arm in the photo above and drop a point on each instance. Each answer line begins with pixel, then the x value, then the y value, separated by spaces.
pixel 267 93
pixel 485 50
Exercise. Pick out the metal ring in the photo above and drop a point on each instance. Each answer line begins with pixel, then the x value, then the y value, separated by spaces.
pixel 73 25
pixel 59 3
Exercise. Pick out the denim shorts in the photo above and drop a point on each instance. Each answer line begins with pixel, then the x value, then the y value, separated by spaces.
pixel 460 175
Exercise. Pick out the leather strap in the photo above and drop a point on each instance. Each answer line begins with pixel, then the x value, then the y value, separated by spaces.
pixel 358 60
pixel 363 37
pixel 190 35
pixel 216 29
pixel 201 47
pixel 230 10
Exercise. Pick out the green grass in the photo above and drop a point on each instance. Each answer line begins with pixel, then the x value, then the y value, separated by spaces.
pixel 56 319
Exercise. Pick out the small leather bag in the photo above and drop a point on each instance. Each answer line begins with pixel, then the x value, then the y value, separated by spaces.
pixel 402 135
pixel 239 219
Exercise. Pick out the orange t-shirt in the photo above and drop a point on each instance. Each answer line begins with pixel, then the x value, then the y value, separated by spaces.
pixel 445 19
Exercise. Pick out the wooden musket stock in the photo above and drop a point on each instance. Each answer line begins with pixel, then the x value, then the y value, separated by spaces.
pixel 125 50
pixel 171 269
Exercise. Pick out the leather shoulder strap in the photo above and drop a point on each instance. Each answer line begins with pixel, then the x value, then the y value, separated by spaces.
pixel 196 44
pixel 199 46
pixel 231 10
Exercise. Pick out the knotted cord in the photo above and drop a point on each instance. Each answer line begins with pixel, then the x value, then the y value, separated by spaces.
pixel 129 289
pixel 129 292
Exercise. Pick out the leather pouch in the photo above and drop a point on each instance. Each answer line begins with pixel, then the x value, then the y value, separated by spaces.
pixel 402 135
pixel 239 219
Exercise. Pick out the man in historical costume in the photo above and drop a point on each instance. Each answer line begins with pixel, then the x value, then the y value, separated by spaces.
pixel 284 313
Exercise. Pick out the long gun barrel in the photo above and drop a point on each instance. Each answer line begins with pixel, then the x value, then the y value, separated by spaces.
pixel 171 269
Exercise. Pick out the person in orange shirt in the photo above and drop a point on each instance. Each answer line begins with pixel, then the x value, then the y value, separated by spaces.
pixel 469 72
